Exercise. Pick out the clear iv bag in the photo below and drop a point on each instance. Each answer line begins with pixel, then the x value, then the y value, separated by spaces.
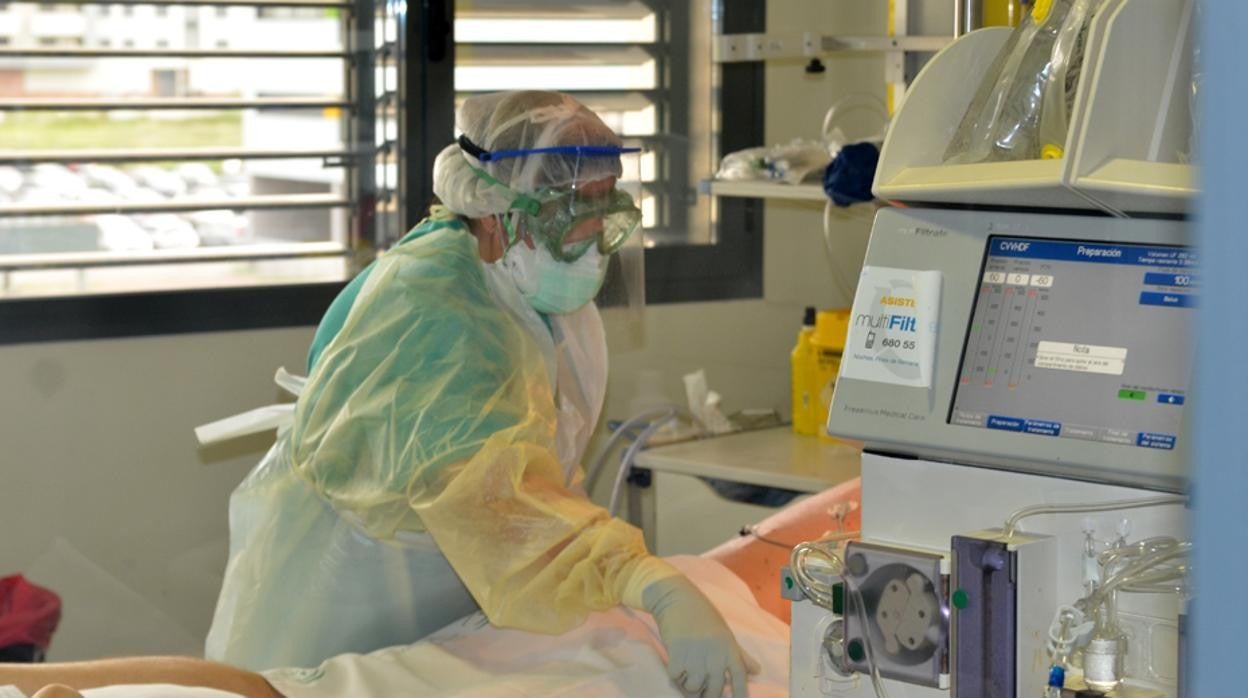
pixel 1022 109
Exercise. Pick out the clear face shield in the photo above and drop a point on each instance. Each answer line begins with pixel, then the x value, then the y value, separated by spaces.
pixel 623 292
pixel 591 224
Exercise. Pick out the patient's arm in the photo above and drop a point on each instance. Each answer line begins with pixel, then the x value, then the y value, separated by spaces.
pixel 57 690
pixel 757 561
pixel 179 671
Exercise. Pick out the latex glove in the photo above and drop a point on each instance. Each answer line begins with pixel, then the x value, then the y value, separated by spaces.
pixel 701 648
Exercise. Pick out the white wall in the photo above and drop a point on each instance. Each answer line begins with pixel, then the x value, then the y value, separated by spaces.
pixel 104 496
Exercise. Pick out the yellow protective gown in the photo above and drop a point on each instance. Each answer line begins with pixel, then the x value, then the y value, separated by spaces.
pixel 432 409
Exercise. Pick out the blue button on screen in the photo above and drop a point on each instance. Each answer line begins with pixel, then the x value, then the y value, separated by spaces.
pixel 1040 426
pixel 1154 278
pixel 1147 440
pixel 1169 399
pixel 1005 423
pixel 1168 300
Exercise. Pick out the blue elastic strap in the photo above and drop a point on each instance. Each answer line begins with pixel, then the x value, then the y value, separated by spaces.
pixel 593 151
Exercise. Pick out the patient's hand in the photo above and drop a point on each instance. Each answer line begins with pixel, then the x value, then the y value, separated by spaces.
pixel 55 680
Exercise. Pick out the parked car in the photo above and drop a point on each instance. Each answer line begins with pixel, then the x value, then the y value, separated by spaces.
pixel 143 195
pixel 169 231
pixel 57 178
pixel 108 177
pixel 197 174
pixel 237 186
pixel 160 179
pixel 37 195
pixel 11 180
pixel 122 234
pixel 95 195
pixel 221 227
pixel 210 194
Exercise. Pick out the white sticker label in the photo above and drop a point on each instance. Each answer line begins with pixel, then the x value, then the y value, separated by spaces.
pixel 1081 358
pixel 893 327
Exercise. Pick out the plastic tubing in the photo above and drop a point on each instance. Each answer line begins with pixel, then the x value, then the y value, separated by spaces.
pixel 1147 575
pixel 637 420
pixel 1143 555
pixel 823 597
pixel 1143 575
pixel 626 463
pixel 1138 549
pixel 1011 524
pixel 1145 559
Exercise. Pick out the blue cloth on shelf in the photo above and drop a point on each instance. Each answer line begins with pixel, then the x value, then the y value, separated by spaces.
pixel 847 179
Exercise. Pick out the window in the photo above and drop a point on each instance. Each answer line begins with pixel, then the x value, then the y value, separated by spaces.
pixel 184 172
pixel 312 13
pixel 646 68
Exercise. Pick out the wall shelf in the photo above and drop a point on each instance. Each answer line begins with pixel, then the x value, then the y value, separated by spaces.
pixel 764 190
pixel 735 48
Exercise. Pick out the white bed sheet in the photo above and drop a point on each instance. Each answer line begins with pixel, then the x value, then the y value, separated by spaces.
pixel 614 653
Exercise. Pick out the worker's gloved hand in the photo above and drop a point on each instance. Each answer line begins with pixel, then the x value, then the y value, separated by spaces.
pixel 700 647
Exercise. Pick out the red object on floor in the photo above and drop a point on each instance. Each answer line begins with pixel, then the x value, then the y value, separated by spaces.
pixel 29 613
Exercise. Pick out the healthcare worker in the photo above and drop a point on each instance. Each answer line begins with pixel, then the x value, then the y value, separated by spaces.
pixel 452 388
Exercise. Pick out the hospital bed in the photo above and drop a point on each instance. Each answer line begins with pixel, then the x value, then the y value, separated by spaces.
pixel 614 653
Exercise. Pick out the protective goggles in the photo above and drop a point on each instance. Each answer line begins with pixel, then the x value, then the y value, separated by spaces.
pixel 568 222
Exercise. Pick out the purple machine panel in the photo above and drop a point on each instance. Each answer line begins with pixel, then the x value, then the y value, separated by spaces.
pixel 984 619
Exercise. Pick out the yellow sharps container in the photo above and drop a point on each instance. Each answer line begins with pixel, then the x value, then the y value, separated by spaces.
pixel 831 327
pixel 1002 13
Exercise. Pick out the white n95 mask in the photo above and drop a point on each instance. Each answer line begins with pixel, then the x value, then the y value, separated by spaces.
pixel 553 287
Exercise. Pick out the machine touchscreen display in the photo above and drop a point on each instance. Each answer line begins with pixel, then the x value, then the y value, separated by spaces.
pixel 1079 340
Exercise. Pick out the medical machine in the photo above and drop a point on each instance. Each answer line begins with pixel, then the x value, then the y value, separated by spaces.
pixel 1021 383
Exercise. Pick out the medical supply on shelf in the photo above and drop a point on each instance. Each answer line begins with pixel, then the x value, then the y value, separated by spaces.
pixel 1022 110
pixel 791 162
